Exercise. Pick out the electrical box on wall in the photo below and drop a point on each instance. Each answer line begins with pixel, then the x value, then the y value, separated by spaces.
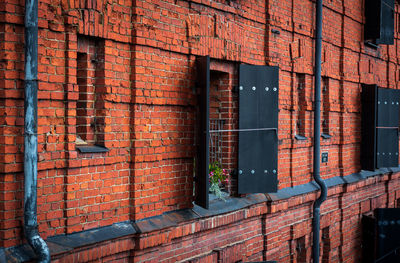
pixel 324 157
pixel 379 127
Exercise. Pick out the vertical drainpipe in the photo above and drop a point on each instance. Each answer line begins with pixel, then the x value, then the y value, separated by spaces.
pixel 317 134
pixel 30 137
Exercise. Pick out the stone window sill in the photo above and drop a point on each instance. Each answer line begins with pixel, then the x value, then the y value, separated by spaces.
pixel 92 149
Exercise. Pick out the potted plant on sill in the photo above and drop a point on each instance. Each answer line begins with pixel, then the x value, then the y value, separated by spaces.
pixel 217 178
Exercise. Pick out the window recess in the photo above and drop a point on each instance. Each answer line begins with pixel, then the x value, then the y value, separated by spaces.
pixel 380 127
pixel 379 22
pixel 325 109
pixel 90 104
pixel 301 107
pixel 254 132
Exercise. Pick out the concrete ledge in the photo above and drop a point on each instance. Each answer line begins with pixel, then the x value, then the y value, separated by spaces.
pixel 331 182
pixel 64 243
pixel 93 236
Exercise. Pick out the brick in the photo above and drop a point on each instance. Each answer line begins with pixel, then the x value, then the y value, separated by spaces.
pixel 141 60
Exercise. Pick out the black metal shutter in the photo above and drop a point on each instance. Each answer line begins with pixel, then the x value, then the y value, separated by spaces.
pixel 203 84
pixel 387 149
pixel 368 126
pixel 387 23
pixel 380 132
pixel 258 124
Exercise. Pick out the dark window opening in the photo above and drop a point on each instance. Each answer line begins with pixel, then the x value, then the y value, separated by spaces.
pixel 326 245
pixel 301 252
pixel 379 22
pixel 381 236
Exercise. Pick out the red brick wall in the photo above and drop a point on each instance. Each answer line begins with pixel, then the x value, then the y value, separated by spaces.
pixel 75 191
pixel 148 110
pixel 279 231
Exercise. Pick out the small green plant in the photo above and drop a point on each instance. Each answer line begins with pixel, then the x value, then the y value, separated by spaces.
pixel 217 177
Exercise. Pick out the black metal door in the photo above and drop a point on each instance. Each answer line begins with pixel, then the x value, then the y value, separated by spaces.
pixel 258 124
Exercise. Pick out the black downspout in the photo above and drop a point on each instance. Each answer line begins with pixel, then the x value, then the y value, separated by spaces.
pixel 30 137
pixel 317 133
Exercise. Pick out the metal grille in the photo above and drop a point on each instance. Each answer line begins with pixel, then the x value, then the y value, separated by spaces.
pixel 216 140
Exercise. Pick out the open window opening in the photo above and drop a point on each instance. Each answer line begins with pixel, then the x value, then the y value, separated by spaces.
pixel 223 131
pixel 90 104
pixel 238 130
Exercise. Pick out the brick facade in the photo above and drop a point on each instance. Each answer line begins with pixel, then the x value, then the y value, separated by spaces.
pixel 122 74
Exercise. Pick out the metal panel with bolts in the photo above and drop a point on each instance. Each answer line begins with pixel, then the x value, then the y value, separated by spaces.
pixel 258 162
pixel 383 108
pixel 387 23
pixel 394 108
pixel 258 134
pixel 387 150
